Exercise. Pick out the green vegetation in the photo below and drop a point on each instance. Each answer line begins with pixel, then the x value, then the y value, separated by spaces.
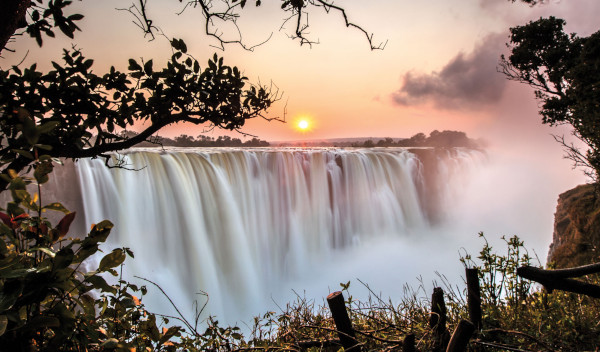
pixel 49 302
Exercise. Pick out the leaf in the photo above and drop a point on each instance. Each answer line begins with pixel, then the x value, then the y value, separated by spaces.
pixel 43 146
pixel 3 324
pixel 168 333
pixel 99 283
pixel 88 304
pixel 45 250
pixel 128 302
pixel 48 126
pixel 57 207
pixel 64 224
pixel 30 130
pixel 5 219
pixel 111 260
pixel 149 328
pixel 134 66
pixel 9 294
pixel 75 17
pixel 101 230
pixel 24 153
pixel 88 64
pixel 41 172
pixel 63 259
pixel 19 273
pixel 148 67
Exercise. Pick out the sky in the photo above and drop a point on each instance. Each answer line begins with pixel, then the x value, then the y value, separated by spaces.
pixel 437 71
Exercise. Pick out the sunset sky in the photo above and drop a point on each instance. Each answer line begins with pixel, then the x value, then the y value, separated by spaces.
pixel 438 69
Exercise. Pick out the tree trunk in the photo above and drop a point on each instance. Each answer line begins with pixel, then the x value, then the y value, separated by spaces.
pixel 12 13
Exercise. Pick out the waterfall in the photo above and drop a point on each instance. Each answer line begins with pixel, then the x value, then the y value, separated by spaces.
pixel 237 223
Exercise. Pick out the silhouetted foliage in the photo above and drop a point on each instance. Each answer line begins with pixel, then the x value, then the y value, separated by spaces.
pixel 184 140
pixel 72 112
pixel 564 71
pixel 41 18
pixel 444 139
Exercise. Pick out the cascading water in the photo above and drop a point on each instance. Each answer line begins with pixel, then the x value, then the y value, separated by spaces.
pixel 240 223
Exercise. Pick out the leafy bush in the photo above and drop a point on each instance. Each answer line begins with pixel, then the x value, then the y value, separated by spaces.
pixel 48 301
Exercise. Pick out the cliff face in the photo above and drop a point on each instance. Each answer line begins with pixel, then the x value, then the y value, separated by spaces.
pixel 576 238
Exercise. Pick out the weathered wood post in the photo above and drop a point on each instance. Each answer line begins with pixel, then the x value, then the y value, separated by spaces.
pixel 337 306
pixel 461 336
pixel 474 297
pixel 437 320
pixel 408 344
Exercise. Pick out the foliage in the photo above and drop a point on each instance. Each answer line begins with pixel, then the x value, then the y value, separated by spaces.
pixel 48 300
pixel 444 139
pixel 184 140
pixel 70 112
pixel 517 315
pixel 563 70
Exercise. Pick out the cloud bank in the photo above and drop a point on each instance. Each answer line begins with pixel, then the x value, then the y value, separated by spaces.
pixel 467 81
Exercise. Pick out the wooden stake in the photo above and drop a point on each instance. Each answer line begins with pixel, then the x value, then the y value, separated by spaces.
pixel 437 320
pixel 337 306
pixel 408 345
pixel 461 336
pixel 474 297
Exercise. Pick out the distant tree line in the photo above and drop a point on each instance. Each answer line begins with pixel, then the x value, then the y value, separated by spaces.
pixel 444 139
pixel 183 140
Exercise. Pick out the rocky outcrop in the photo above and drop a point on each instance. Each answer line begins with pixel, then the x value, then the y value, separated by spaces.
pixel 576 238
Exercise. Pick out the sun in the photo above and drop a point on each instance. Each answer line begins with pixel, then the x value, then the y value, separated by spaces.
pixel 303 125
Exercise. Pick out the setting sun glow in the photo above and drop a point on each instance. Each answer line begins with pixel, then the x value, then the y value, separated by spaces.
pixel 303 124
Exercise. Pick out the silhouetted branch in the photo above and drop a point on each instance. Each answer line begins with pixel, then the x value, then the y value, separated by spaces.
pixel 141 20
pixel 553 281
pixel 329 6
pixel 216 13
pixel 578 158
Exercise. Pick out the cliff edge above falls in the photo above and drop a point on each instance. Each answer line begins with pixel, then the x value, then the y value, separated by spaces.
pixel 576 238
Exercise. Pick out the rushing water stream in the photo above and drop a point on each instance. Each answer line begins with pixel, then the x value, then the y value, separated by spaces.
pixel 242 224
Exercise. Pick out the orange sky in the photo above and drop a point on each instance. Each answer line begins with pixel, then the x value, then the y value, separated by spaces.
pixel 438 70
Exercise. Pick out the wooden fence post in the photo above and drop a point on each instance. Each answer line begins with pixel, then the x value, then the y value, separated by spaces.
pixel 437 320
pixel 337 306
pixel 474 297
pixel 461 336
pixel 408 345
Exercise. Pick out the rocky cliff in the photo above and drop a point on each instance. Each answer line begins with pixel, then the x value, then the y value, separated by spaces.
pixel 576 238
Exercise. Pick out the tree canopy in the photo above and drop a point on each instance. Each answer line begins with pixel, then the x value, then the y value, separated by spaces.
pixel 564 70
